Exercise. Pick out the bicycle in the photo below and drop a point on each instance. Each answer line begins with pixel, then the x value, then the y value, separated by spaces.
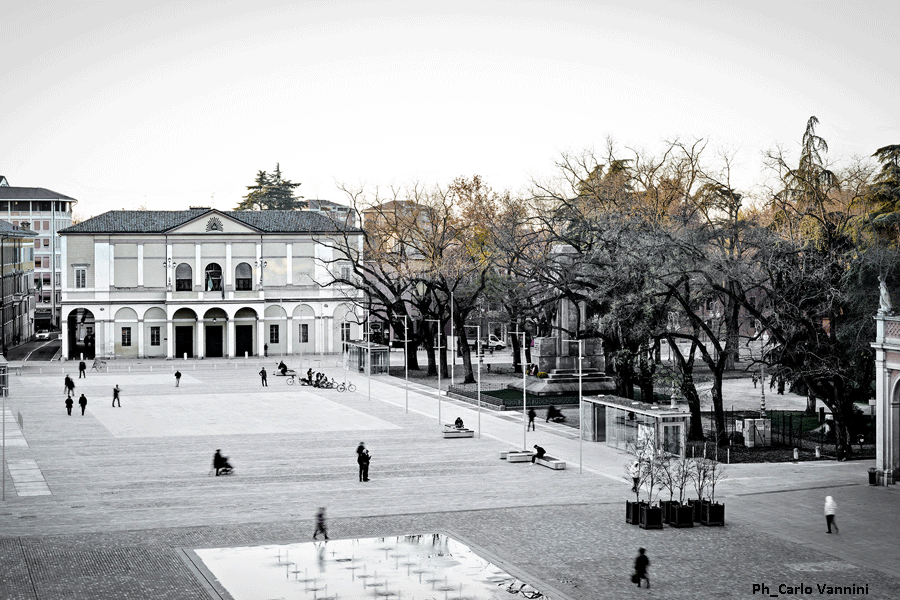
pixel 346 386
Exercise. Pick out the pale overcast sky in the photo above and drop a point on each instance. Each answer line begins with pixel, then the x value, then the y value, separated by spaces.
pixel 121 104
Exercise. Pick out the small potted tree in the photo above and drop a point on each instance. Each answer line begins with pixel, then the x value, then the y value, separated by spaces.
pixel 711 512
pixel 651 515
pixel 681 515
pixel 666 474
pixel 700 479
pixel 637 470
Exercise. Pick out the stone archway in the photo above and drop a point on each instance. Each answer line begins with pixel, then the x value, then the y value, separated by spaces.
pixel 184 322
pixel 246 321
pixel 82 332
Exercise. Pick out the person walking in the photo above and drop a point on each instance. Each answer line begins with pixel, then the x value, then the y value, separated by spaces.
pixel 69 404
pixel 70 386
pixel 263 375
pixel 116 391
pixel 531 416
pixel 320 524
pixel 83 403
pixel 640 568
pixel 830 512
pixel 362 458
pixel 82 370
pixel 177 378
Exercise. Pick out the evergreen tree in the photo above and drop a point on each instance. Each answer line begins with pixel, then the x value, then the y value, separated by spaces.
pixel 271 192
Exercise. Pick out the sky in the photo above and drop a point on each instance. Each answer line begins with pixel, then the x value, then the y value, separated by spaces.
pixel 168 105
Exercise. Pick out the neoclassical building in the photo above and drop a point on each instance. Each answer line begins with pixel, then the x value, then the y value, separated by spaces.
pixel 204 283
pixel 887 393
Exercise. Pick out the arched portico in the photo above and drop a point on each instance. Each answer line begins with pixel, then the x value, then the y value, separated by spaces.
pixel 184 325
pixel 80 335
pixel 213 333
pixel 246 322
pixel 887 395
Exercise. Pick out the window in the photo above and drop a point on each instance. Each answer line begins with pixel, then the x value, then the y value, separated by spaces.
pixel 46 242
pixel 213 278
pixel 243 277
pixel 345 332
pixel 37 242
pixel 346 272
pixel 154 336
pixel 273 334
pixel 304 333
pixel 126 336
pixel 80 278
pixel 183 275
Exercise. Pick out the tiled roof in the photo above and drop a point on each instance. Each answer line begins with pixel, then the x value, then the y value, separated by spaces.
pixel 29 193
pixel 161 221
pixel 7 228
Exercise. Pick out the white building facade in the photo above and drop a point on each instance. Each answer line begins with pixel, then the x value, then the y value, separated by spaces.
pixel 204 283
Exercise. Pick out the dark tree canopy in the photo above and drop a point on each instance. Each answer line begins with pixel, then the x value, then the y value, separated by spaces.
pixel 271 192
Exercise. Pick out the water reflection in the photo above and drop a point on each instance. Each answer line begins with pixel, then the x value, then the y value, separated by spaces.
pixel 409 567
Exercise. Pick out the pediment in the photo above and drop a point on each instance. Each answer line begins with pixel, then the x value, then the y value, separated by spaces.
pixel 213 222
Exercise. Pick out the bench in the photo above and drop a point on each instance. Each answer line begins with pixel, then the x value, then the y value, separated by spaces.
pixel 516 455
pixel 551 463
pixel 451 431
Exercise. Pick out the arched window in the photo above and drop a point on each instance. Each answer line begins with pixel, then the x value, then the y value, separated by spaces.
pixel 213 281
pixel 243 277
pixel 183 275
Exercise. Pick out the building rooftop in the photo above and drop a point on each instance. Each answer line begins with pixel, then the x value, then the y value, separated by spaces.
pixel 162 221
pixel 8 229
pixel 29 193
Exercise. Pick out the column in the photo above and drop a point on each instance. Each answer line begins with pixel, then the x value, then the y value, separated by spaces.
pixel 170 339
pixel 229 329
pixel 229 268
pixel 169 268
pixel 200 350
pixel 64 336
pixel 290 263
pixel 140 266
pixel 290 334
pixel 198 268
pixel 261 338
pixel 882 409
pixel 140 338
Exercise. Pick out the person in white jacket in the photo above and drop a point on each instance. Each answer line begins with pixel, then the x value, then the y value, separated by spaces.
pixel 830 511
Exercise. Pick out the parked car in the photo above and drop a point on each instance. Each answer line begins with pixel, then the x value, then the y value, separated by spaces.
pixel 43 335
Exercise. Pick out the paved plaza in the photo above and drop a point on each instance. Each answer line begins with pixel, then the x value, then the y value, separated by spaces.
pixel 106 505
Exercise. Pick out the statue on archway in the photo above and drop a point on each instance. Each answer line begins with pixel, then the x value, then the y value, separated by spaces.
pixel 884 300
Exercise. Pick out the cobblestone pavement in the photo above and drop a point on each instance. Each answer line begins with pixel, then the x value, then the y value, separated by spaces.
pixel 130 487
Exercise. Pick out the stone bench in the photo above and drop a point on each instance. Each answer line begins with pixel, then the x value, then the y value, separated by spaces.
pixel 453 432
pixel 551 463
pixel 516 455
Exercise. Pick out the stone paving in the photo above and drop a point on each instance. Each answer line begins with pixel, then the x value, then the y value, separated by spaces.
pixel 131 487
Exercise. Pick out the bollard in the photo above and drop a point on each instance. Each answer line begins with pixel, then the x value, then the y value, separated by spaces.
pixel 796 454
pixel 82 356
pixel 818 452
pixel 185 356
pixel 245 355
pixel 728 456
pixel 129 368
pixel 151 368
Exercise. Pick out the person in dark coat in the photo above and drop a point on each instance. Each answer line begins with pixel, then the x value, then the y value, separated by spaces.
pixel 82 370
pixel 320 524
pixel 116 391
pixel 539 452
pixel 70 386
pixel 83 403
pixel 69 404
pixel 264 377
pixel 283 368
pixel 177 378
pixel 531 416
pixel 362 458
pixel 640 567
pixel 221 464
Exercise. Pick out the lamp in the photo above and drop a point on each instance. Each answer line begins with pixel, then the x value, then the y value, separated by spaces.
pixel 214 320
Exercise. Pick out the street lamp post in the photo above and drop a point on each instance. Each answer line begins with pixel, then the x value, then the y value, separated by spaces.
pixel 438 348
pixel 478 353
pixel 580 416
pixel 524 393
pixel 405 358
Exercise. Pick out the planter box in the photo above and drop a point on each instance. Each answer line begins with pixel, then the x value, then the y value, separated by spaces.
pixel 651 517
pixel 712 513
pixel 633 512
pixel 681 515
pixel 695 506
pixel 518 456
pixel 667 506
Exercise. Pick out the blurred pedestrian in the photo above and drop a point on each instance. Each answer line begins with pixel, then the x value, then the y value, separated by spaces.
pixel 531 416
pixel 69 385
pixel 83 403
pixel 69 404
pixel 82 370
pixel 640 568
pixel 320 524
pixel 177 378
pixel 116 391
pixel 830 512
pixel 362 459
